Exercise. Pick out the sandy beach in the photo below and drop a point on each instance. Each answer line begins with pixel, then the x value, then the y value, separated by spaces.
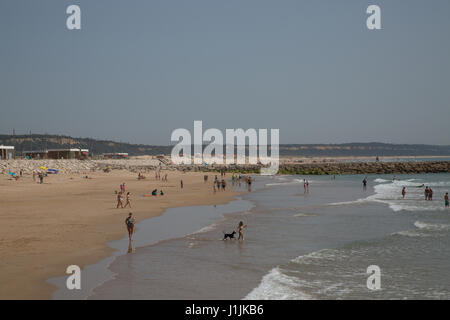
pixel 69 219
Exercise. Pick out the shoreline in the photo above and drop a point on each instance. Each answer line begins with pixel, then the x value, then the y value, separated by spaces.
pixel 184 222
pixel 51 239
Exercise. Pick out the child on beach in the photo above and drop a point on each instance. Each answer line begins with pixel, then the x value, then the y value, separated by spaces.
pixel 241 227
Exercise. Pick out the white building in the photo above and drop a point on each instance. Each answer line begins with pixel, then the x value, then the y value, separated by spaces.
pixel 6 152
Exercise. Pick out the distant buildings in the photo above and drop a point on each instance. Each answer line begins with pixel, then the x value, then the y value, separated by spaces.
pixel 73 153
pixel 6 152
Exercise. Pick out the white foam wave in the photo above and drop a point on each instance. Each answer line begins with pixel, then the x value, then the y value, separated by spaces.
pixel 431 226
pixel 278 286
pixel 343 203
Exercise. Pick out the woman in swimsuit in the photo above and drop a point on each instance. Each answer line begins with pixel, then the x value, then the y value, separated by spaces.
pixel 119 200
pixel 129 222
pixel 128 203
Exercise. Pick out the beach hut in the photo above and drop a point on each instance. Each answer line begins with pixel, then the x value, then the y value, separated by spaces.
pixel 72 153
pixel 6 152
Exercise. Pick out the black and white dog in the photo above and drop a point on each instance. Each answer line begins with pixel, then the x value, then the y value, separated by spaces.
pixel 229 235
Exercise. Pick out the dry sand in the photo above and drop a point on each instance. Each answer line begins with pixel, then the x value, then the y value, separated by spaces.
pixel 68 220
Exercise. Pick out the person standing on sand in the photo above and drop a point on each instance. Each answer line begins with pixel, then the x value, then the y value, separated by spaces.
pixel 241 227
pixel 129 222
pixel 446 200
pixel 119 200
pixel 181 184
pixel 403 192
pixel 128 198
pixel 224 184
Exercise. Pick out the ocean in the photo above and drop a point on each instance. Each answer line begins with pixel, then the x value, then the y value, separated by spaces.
pixel 314 244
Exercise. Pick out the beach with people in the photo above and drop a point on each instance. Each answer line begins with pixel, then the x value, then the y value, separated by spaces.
pixel 280 242
pixel 68 219
pixel 136 217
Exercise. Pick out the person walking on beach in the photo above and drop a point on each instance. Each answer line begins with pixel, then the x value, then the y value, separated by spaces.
pixel 224 184
pixel 119 200
pixel 181 184
pixel 241 227
pixel 129 222
pixel 403 192
pixel 128 199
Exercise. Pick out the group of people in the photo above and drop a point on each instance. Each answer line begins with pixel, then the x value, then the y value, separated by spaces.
pixel 120 197
pixel 219 183
pixel 237 179
pixel 141 176
pixel 39 175
pixel 428 193
pixel 158 176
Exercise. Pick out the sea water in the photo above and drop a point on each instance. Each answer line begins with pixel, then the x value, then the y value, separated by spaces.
pixel 313 243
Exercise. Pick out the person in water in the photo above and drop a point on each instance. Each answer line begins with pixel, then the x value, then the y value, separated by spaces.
pixel 129 222
pixel 446 200
pixel 403 192
pixel 241 227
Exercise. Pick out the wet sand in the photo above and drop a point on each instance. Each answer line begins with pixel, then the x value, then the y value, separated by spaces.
pixel 68 220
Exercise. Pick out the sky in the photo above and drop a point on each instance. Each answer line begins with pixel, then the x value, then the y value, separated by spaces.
pixel 139 69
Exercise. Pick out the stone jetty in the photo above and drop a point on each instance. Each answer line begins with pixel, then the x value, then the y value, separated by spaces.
pixel 143 165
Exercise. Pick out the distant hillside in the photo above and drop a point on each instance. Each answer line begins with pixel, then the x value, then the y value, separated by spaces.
pixel 40 142
pixel 96 147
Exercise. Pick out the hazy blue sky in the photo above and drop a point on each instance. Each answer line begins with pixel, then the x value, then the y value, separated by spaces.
pixel 139 69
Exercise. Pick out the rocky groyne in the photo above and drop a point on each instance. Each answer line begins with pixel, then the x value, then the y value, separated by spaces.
pixel 144 165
